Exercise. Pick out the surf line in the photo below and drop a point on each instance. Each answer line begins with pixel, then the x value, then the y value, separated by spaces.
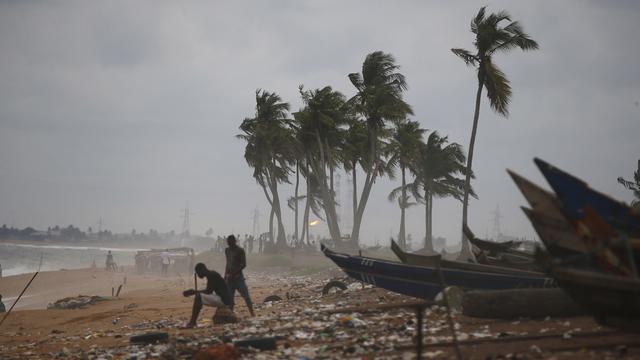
pixel 22 293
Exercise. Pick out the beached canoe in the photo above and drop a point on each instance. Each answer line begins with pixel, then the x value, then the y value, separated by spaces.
pixel 424 281
pixel 575 196
pixel 436 260
pixel 612 300
pixel 547 218
pixel 500 253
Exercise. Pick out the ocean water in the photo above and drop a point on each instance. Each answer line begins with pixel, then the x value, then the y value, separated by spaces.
pixel 21 258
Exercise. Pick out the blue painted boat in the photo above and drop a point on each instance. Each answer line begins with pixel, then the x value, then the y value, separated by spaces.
pixel 423 281
pixel 575 195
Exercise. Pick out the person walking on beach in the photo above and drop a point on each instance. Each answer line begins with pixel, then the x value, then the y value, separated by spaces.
pixel 165 260
pixel 216 294
pixel 2 308
pixel 110 264
pixel 236 262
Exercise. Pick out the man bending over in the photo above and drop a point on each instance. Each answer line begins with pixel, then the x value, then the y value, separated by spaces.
pixel 216 293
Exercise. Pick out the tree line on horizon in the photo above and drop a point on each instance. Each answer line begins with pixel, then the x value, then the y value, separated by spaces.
pixel 371 134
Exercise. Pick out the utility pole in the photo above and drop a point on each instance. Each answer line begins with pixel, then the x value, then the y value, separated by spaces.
pixel 256 222
pixel 496 223
pixel 186 223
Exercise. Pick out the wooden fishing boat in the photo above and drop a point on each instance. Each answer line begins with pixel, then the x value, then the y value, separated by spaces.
pixel 437 261
pixel 612 300
pixel 424 281
pixel 500 253
pixel 558 236
pixel 555 231
pixel 575 195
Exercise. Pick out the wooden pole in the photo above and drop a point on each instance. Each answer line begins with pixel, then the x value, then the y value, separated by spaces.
pixel 445 298
pixel 19 296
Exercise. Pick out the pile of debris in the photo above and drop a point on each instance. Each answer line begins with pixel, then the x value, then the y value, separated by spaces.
pixel 76 302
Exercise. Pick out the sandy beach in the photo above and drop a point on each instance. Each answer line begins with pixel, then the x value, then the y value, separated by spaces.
pixel 307 324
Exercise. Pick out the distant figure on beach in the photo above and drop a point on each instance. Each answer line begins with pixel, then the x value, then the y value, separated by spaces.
pixel 110 264
pixel 250 248
pixel 166 260
pixel 216 294
pixel 0 271
pixel 2 308
pixel 236 262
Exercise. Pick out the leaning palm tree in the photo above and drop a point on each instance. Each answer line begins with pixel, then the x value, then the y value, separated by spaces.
pixel 404 148
pixel 438 166
pixel 353 150
pixel 491 37
pixel 378 100
pixel 268 151
pixel 319 130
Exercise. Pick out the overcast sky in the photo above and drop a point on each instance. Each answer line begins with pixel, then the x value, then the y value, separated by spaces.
pixel 125 110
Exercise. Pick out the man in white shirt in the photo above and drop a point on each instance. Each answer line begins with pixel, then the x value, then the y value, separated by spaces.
pixel 166 260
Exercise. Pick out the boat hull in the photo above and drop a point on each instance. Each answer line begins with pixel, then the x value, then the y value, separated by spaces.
pixel 424 282
pixel 612 300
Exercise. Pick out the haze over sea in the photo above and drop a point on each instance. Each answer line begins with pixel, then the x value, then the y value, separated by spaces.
pixel 23 258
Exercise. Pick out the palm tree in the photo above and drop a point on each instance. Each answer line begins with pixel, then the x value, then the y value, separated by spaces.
pixel 269 151
pixel 378 100
pixel 352 152
pixel 437 168
pixel 404 148
pixel 320 123
pixel 491 37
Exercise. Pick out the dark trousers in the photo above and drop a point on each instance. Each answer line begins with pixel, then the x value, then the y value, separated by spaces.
pixel 240 285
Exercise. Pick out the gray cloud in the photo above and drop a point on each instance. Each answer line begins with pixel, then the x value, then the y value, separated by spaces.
pixel 125 110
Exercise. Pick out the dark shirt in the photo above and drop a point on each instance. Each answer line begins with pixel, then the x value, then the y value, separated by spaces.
pixel 216 283
pixel 236 260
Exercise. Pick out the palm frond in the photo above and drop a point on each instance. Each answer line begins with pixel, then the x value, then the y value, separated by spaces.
pixel 466 56
pixel 498 87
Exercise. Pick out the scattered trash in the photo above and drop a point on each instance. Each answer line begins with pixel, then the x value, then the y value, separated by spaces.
pixel 149 338
pixel 76 302
pixel 272 298
pixel 333 284
pixel 260 343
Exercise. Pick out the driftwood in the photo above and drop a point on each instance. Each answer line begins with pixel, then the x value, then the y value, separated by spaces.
pixel 510 304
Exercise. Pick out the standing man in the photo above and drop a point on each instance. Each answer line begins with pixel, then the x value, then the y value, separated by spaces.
pixel 236 262
pixel 166 260
pixel 110 264
pixel 216 294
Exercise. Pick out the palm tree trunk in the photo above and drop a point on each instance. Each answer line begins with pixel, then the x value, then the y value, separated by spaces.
pixel 366 190
pixel 271 215
pixel 426 220
pixel 430 233
pixel 355 191
pixel 295 234
pixel 465 251
pixel 403 204
pixel 275 198
pixel 328 198
pixel 307 205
